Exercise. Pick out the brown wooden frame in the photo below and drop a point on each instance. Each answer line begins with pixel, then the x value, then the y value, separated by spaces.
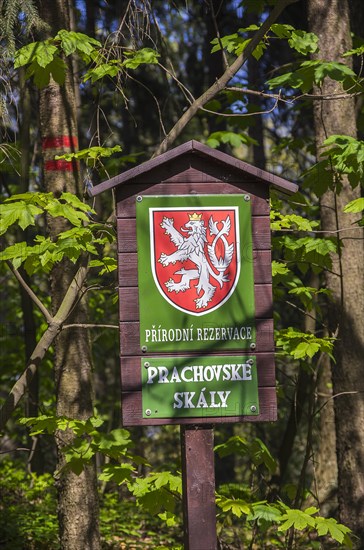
pixel 193 169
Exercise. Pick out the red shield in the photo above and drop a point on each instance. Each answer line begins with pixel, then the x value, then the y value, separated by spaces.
pixel 195 256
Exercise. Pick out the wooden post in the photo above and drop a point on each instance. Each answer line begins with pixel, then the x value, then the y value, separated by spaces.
pixel 198 477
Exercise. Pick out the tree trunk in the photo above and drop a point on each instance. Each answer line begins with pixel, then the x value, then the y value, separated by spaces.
pixel 77 495
pixel 329 19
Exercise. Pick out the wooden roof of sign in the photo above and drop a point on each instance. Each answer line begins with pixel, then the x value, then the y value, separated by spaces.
pixel 182 162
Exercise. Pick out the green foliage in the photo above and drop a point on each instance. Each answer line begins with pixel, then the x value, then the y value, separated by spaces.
pixel 157 493
pixel 279 518
pixel 319 177
pixel 279 268
pixel 303 345
pixel 91 154
pixel 301 41
pixel 357 205
pixel 238 507
pixel 28 514
pixel 255 450
pixel 314 72
pixel 44 59
pixel 281 221
pixel 341 155
pixel 123 524
pixel 106 263
pixel 235 140
pixel 87 440
pixel 136 58
pixel 308 520
pixel 346 155
pixel 104 66
pixel 24 209
pixel 307 251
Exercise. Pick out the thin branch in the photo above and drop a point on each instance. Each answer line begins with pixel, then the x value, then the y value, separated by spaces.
pixel 223 53
pixel 292 99
pixel 305 312
pixel 230 115
pixel 30 292
pixel 248 91
pixel 334 397
pixel 88 325
pixel 47 339
pixel 14 450
pixel 186 92
pixel 220 83
pixel 335 231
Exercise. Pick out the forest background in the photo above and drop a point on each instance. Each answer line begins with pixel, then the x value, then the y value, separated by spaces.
pixel 89 89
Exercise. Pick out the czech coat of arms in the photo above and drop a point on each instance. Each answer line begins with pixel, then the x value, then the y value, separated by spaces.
pixel 195 256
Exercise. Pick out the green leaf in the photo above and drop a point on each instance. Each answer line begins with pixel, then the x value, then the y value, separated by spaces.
pixel 57 209
pixel 157 501
pixel 76 41
pixel 310 73
pixel 238 507
pixel 319 178
pixel 336 530
pixel 354 51
pixel 301 344
pixel 306 349
pixel 139 57
pixel 170 519
pixel 112 444
pixel 255 449
pixel 281 30
pixel 233 43
pixel 56 69
pixel 303 42
pixel 266 512
pixel 91 153
pixel 110 69
pixel 233 138
pixel 298 519
pixel 290 221
pixel 17 212
pixel 118 473
pixel 41 52
pixel 107 264
pixel 356 205
pixel 279 268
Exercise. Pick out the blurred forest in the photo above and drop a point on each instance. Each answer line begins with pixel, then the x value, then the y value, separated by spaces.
pixel 124 80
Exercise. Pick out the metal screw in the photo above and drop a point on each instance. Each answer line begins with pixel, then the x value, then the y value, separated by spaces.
pixel 252 408
pixel 148 412
pixel 139 198
pixel 247 197
pixel 147 364
pixel 144 348
pixel 250 361
pixel 253 345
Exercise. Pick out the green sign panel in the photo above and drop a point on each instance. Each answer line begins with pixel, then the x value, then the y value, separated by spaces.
pixel 215 386
pixel 195 273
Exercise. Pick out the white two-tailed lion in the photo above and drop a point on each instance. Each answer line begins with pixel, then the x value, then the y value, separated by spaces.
pixel 192 247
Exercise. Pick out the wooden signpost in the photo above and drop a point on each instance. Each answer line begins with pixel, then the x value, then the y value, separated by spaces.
pixel 195 293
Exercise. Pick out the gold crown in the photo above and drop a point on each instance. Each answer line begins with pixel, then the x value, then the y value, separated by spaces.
pixel 195 217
